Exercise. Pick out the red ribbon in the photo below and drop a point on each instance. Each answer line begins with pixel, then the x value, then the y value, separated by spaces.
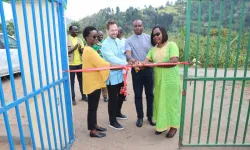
pixel 125 71
pixel 129 66
pixel 125 82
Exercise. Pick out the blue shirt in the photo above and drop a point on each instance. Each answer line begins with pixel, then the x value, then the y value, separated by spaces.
pixel 112 52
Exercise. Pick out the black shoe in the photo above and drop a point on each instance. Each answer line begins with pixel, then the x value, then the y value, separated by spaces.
pixel 139 122
pixel 122 117
pixel 158 133
pixel 151 122
pixel 74 103
pixel 84 98
pixel 116 126
pixel 106 99
pixel 101 129
pixel 97 135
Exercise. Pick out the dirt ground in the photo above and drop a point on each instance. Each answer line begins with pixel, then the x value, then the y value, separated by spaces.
pixel 131 137
pixel 134 138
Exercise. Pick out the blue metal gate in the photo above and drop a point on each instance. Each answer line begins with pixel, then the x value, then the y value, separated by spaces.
pixel 41 50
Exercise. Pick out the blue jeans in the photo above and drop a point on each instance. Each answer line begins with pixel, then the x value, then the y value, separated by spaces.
pixel 143 78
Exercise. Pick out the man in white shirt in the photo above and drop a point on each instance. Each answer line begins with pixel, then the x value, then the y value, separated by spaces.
pixel 123 40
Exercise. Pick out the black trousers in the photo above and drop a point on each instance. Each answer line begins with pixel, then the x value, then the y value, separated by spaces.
pixel 72 80
pixel 115 101
pixel 143 78
pixel 93 101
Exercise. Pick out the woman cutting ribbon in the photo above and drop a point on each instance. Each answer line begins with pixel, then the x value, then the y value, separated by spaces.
pixel 93 81
pixel 166 82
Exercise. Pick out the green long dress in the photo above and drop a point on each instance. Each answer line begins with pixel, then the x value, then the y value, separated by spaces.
pixel 167 88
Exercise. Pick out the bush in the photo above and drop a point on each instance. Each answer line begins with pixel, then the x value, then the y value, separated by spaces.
pixel 224 32
pixel 212 49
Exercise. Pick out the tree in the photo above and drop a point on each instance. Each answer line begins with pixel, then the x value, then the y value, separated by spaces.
pixel 117 10
pixel 247 20
pixel 168 3
pixel 11 28
pixel 165 20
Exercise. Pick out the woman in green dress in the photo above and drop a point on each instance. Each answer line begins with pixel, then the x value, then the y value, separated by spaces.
pixel 166 82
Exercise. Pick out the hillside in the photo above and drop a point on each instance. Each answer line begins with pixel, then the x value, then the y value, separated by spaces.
pixel 171 16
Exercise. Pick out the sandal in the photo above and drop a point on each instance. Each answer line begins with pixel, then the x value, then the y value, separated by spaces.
pixel 171 135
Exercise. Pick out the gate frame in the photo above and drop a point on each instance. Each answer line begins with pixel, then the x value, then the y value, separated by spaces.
pixel 186 79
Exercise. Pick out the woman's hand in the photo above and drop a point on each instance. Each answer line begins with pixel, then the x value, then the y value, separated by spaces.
pixel 137 66
pixel 145 62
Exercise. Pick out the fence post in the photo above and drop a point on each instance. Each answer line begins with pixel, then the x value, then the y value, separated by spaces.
pixel 187 39
pixel 65 66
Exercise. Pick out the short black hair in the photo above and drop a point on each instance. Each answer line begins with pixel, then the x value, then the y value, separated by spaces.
pixel 86 31
pixel 70 27
pixel 137 20
pixel 163 32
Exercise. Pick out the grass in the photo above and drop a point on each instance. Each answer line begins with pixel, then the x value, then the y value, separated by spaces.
pixel 169 9
pixel 247 83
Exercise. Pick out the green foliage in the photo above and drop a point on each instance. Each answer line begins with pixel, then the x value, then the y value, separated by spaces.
pixel 149 15
pixel 10 28
pixel 212 49
pixel 224 32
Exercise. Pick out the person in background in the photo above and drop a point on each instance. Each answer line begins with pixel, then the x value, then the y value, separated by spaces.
pixel 75 49
pixel 137 47
pixel 97 47
pixel 111 52
pixel 100 36
pixel 167 82
pixel 123 40
pixel 93 81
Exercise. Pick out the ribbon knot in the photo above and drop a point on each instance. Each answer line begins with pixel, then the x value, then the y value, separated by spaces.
pixel 125 82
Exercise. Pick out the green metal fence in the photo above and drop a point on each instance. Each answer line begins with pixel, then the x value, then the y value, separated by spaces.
pixel 216 106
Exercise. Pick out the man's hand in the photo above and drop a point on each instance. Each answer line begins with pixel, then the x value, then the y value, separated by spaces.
pixel 73 49
pixel 76 46
pixel 140 65
pixel 99 44
pixel 132 61
pixel 80 49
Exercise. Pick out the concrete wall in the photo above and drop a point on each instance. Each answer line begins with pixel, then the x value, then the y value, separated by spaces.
pixel 27 73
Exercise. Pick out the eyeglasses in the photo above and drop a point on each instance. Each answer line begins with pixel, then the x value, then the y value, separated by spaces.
pixel 95 37
pixel 156 34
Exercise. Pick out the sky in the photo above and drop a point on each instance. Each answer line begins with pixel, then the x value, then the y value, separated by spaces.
pixel 78 9
pixel 7 11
